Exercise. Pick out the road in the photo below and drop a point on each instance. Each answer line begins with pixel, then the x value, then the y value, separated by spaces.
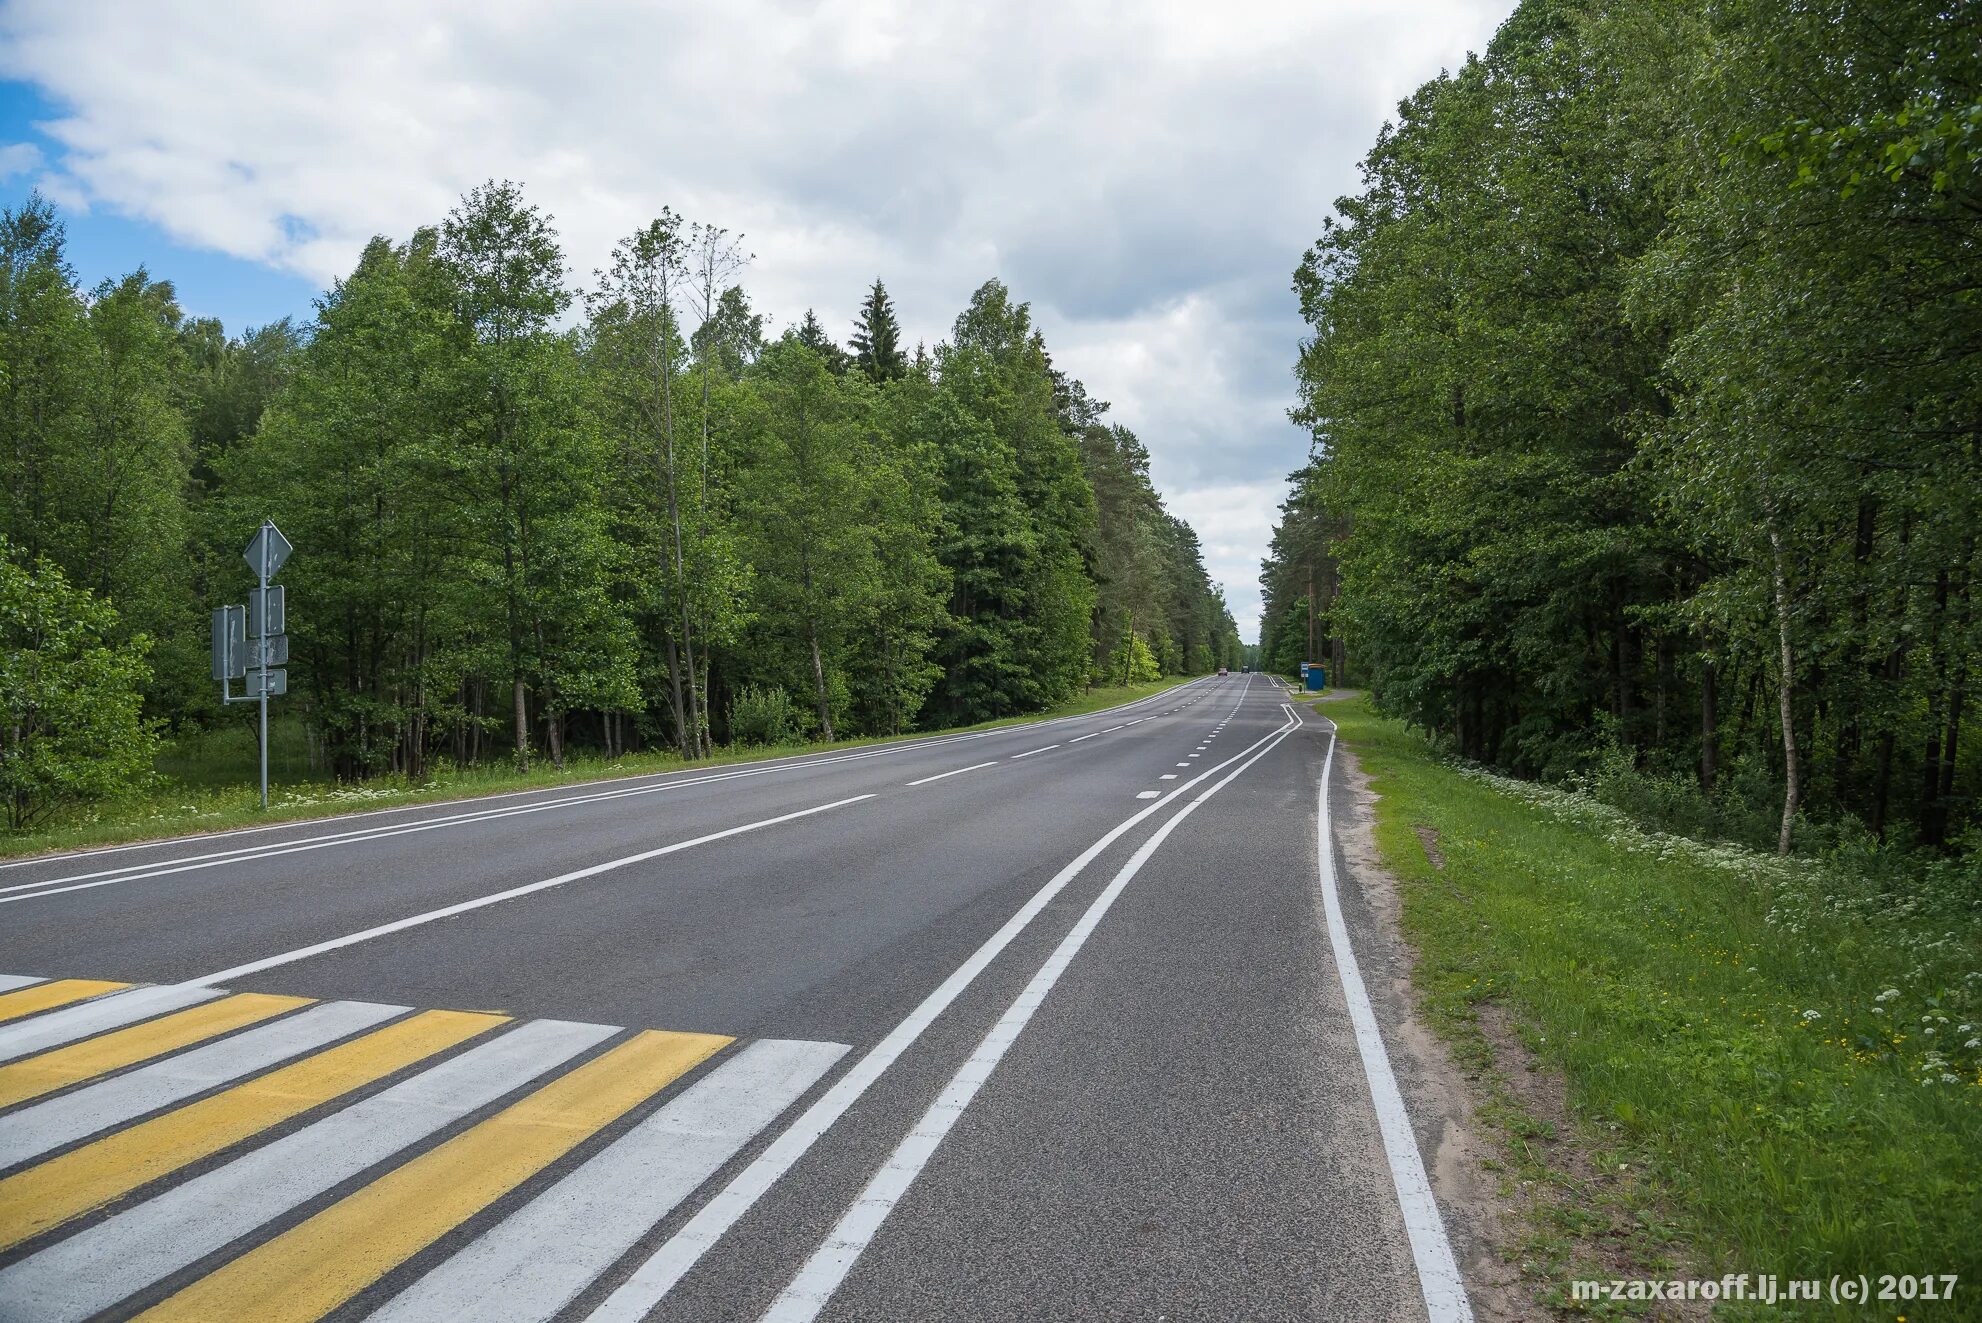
pixel 1057 1021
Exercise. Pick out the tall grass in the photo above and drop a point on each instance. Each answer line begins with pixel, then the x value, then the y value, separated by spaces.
pixel 1790 1051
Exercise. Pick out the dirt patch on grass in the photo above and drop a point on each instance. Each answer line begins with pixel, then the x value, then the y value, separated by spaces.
pixel 1528 1201
pixel 1428 837
pixel 1438 1091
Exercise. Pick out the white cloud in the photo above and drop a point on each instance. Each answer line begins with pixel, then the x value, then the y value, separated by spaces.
pixel 1147 175
pixel 19 158
pixel 1234 523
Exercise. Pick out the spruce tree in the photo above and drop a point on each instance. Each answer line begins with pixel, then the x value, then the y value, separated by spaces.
pixel 813 336
pixel 876 338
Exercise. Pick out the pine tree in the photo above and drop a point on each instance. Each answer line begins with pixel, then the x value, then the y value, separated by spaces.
pixel 876 338
pixel 813 336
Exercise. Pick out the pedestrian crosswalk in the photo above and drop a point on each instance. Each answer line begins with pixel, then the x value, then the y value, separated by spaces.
pixel 193 1154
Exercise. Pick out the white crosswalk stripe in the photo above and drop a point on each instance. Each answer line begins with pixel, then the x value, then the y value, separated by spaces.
pixel 93 1017
pixel 46 1126
pixel 536 1262
pixel 587 1118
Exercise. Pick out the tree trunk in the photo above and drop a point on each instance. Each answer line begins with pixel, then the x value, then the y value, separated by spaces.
pixel 819 682
pixel 1709 726
pixel 680 712
pixel 522 728
pixel 1792 771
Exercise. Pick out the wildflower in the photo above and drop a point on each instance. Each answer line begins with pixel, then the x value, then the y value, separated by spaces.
pixel 1813 1015
pixel 1887 995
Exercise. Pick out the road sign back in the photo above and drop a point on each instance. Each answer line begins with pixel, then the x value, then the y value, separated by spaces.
pixel 268 543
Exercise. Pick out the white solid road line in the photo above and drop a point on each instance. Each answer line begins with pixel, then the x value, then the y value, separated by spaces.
pixel 57 886
pixel 535 1262
pixel 822 1274
pixel 448 911
pixel 8 982
pixel 1438 1273
pixel 585 795
pixel 653 1279
pixel 1029 752
pixel 93 1270
pixel 958 772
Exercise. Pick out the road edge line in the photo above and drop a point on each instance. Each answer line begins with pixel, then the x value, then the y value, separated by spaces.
pixel 826 1268
pixel 1431 1250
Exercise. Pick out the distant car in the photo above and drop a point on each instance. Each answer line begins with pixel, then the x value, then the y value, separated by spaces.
pixel 1221 670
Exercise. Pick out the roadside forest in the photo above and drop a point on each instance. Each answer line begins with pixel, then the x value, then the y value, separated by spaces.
pixel 533 514
pixel 1645 393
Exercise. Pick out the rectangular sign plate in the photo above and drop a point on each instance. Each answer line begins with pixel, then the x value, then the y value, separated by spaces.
pixel 230 636
pixel 269 617
pixel 278 683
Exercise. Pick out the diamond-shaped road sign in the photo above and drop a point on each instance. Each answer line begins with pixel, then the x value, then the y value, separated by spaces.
pixel 267 551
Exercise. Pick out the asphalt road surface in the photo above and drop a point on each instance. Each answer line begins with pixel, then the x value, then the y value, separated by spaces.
pixel 1059 1021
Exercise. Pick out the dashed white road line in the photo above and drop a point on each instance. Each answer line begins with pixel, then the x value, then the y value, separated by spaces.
pixel 651 1281
pixel 448 911
pixel 1147 794
pixel 478 808
pixel 1029 752
pixel 957 772
pixel 813 1286
pixel 1078 738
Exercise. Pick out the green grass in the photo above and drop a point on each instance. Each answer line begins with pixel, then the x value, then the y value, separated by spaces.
pixel 207 781
pixel 1777 1053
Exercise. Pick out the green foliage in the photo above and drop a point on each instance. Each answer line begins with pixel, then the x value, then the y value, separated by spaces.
pixel 1132 662
pixel 71 694
pixel 1769 1053
pixel 1611 432
pixel 515 534
pixel 764 715
pixel 877 339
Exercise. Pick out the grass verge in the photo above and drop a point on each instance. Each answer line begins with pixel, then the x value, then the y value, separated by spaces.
pixel 1769 1068
pixel 206 783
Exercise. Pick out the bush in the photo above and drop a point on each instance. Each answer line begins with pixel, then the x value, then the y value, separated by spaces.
pixel 1132 662
pixel 72 727
pixel 764 715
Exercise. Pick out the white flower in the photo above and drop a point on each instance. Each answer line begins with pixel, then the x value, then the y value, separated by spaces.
pixel 1973 1042
pixel 1813 1015
pixel 1887 995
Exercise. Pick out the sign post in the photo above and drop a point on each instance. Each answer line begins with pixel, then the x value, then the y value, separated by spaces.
pixel 248 642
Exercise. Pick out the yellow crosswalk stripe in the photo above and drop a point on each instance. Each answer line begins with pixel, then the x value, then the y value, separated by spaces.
pixel 57 1190
pixel 81 1061
pixel 46 996
pixel 317 1265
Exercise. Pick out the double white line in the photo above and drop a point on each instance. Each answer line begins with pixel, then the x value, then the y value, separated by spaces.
pixel 650 1282
pixel 246 854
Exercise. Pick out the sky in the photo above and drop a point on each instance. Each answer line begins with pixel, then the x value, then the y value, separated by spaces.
pixel 1146 173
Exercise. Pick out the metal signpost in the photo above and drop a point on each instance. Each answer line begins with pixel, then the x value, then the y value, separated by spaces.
pixel 248 641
